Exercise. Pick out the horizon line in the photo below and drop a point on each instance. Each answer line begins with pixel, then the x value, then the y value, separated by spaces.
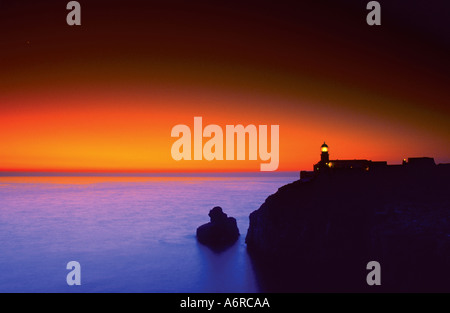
pixel 55 173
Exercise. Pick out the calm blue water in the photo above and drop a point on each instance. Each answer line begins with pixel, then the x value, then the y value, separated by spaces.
pixel 128 234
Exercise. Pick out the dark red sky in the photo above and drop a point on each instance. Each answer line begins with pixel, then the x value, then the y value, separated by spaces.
pixel 314 67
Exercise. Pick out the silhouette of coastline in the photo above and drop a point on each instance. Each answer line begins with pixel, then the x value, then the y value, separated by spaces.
pixel 318 234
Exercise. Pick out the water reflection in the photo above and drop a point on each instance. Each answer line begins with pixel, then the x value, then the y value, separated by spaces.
pixel 227 271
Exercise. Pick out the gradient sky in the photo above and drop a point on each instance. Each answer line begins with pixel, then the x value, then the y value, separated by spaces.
pixel 105 95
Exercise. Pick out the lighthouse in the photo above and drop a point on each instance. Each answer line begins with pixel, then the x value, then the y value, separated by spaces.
pixel 325 156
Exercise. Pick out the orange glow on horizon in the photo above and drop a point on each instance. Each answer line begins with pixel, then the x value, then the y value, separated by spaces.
pixel 114 134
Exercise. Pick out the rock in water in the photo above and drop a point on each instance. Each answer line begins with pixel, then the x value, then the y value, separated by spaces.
pixel 220 233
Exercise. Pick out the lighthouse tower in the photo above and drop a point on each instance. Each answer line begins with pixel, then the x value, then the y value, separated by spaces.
pixel 324 157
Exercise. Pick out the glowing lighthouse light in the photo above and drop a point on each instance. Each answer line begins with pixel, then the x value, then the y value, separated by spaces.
pixel 324 147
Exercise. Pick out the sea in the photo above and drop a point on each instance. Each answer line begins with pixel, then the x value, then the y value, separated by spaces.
pixel 127 233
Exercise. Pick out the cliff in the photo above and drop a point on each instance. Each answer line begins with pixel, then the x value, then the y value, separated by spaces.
pixel 319 235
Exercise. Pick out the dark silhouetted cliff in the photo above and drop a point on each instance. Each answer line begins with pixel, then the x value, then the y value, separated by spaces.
pixel 319 235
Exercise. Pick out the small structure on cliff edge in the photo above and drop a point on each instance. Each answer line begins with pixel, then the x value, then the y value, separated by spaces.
pixel 220 233
pixel 325 165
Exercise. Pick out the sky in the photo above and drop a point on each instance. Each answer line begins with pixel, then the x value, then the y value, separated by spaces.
pixel 105 95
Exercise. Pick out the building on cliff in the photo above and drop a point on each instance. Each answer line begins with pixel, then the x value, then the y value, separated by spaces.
pixel 325 165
